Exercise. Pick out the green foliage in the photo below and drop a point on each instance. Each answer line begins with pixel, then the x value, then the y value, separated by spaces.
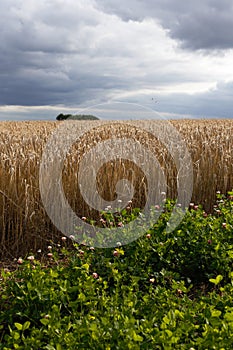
pixel 62 116
pixel 163 291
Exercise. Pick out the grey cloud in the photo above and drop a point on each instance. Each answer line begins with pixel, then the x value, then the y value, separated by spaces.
pixel 210 29
pixel 197 25
pixel 216 103
pixel 41 89
pixel 79 53
pixel 44 52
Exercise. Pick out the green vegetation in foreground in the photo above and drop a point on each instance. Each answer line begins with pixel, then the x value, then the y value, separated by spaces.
pixel 164 291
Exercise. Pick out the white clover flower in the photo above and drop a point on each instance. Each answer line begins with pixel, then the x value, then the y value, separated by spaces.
pixel 31 258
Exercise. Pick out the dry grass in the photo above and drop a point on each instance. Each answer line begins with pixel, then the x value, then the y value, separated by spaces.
pixel 24 224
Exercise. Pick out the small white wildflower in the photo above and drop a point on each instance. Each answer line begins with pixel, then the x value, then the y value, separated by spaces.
pixel 31 258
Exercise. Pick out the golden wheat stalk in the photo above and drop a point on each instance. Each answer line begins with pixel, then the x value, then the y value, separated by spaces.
pixel 24 224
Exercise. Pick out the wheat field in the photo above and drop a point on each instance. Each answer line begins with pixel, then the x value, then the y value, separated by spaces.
pixel 24 224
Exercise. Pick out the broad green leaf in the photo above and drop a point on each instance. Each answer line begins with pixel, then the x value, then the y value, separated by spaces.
pixel 19 326
pixel 44 321
pixel 137 337
pixel 26 325
pixel 166 319
pixel 217 247
pixel 82 297
pixel 16 336
pixel 86 266
pixel 169 333
pixel 53 273
pixel 216 280
pixel 93 327
pixel 29 285
pixel 179 313
pixel 215 313
pixel 229 316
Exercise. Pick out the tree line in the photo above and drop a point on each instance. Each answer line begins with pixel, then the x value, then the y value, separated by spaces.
pixel 62 116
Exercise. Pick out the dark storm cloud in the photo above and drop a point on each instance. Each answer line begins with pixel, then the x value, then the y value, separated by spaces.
pixel 43 46
pixel 79 53
pixel 198 25
pixel 69 52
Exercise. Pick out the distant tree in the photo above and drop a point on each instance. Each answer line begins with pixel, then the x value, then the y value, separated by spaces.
pixel 62 116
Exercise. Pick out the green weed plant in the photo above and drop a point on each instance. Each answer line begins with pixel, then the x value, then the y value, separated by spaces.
pixel 163 291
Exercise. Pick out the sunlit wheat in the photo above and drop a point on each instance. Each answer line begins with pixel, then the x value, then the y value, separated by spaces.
pixel 24 224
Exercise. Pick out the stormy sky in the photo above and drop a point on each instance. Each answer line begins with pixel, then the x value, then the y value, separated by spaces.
pixel 62 56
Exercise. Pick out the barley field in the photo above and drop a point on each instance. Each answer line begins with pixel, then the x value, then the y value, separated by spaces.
pixel 24 224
